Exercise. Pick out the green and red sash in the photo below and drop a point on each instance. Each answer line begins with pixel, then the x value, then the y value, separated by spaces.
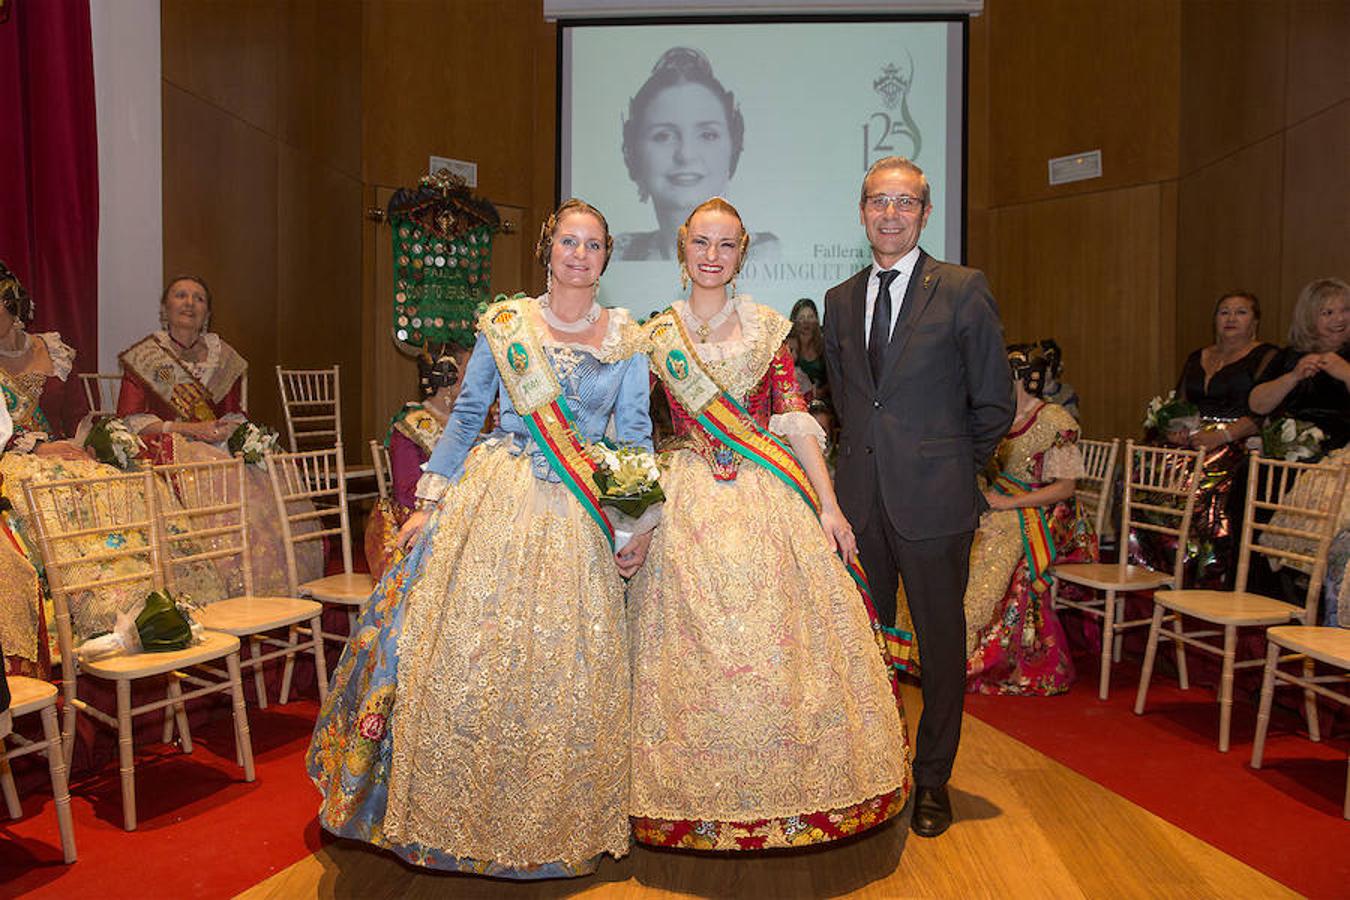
pixel 1038 545
pixel 536 394
pixel 725 420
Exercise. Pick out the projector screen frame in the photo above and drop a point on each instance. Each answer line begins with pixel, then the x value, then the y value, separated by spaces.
pixel 961 181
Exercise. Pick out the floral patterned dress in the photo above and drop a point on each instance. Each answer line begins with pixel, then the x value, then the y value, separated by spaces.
pixel 1015 643
pixel 478 719
pixel 26 617
pixel 762 711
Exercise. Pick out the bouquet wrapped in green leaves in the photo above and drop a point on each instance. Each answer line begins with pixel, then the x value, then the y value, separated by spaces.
pixel 113 443
pixel 253 442
pixel 1292 440
pixel 629 480
pixel 160 624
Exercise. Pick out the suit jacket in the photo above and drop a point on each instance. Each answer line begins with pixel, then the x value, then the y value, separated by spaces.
pixel 944 401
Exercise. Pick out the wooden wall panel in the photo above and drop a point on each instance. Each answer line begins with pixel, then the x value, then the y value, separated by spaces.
pixel 262 130
pixel 1087 271
pixel 1316 203
pixel 1232 76
pixel 1066 76
pixel 225 52
pixel 1319 64
pixel 1228 231
pixel 318 315
pixel 319 82
pixel 220 201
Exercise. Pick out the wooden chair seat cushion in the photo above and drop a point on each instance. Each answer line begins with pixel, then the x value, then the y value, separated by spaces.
pixel 1228 607
pixel 354 589
pixel 1104 576
pixel 29 694
pixel 214 645
pixel 249 615
pixel 1328 645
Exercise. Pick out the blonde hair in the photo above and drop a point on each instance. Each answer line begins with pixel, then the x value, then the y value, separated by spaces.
pixel 714 204
pixel 1315 294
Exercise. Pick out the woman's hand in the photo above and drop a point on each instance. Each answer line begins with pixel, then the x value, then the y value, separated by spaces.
pixel 998 501
pixel 1209 438
pixel 412 527
pixel 1308 365
pixel 633 554
pixel 1335 366
pixel 1178 437
pixel 838 532
pixel 62 450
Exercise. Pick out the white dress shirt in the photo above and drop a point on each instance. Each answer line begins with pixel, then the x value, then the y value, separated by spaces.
pixel 905 266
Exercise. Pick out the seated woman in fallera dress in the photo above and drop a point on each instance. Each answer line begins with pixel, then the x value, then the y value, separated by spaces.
pixel 1015 643
pixel 413 434
pixel 478 721
pixel 28 364
pixel 182 392
pixel 764 714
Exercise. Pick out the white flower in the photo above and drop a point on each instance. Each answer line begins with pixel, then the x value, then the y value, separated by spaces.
pixel 1288 431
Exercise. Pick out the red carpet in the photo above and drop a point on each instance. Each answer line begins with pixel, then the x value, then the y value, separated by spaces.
pixel 203 831
pixel 1284 819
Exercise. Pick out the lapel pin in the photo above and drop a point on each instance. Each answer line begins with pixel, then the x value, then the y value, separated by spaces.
pixel 927 280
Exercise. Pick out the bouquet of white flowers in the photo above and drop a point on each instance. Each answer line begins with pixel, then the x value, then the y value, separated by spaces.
pixel 254 442
pixel 629 480
pixel 1170 413
pixel 113 442
pixel 1291 439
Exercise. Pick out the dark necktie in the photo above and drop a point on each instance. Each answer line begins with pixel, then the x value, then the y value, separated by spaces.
pixel 880 334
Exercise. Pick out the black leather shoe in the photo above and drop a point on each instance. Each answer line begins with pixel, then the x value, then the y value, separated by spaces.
pixel 932 811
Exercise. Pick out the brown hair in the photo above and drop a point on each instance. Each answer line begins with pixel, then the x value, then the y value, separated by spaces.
pixel 164 298
pixel 549 229
pixel 716 204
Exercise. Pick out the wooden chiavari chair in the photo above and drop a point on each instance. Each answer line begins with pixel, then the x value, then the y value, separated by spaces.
pixel 100 391
pixel 1160 487
pixel 312 402
pixel 384 469
pixel 310 487
pixel 97 541
pixel 32 695
pixel 1271 505
pixel 210 525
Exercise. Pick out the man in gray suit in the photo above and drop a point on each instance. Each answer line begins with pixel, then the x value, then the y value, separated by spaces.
pixel 921 385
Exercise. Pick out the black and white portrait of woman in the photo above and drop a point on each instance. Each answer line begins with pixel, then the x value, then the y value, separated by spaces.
pixel 682 139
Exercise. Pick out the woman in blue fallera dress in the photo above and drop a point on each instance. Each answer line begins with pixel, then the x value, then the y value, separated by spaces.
pixel 478 720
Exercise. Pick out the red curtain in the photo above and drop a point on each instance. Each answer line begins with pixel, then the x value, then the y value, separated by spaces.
pixel 49 177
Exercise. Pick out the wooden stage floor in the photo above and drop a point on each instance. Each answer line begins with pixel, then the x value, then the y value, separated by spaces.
pixel 1026 826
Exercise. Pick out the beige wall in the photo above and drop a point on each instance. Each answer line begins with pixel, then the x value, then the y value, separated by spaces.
pixel 1224 129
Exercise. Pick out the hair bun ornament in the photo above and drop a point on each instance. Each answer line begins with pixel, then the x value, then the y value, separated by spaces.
pixel 17 301
pixel 685 60
pixel 438 370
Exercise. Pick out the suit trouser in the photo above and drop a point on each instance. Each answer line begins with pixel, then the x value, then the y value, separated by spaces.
pixel 935 571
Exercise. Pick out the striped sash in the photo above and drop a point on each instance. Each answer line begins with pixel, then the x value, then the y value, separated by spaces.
pixel 725 420
pixel 536 394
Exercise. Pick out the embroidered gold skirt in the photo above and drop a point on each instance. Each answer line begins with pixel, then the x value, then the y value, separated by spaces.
pixel 510 723
pixel 762 711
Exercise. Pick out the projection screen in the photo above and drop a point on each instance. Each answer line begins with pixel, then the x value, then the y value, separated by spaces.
pixel 780 117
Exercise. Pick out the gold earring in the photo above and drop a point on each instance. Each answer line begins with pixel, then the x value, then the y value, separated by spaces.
pixel 684 277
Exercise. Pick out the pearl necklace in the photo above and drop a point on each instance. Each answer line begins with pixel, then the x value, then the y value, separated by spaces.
pixel 705 327
pixel 589 318
pixel 22 349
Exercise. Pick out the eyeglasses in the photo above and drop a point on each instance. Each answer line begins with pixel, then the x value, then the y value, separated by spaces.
pixel 902 202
